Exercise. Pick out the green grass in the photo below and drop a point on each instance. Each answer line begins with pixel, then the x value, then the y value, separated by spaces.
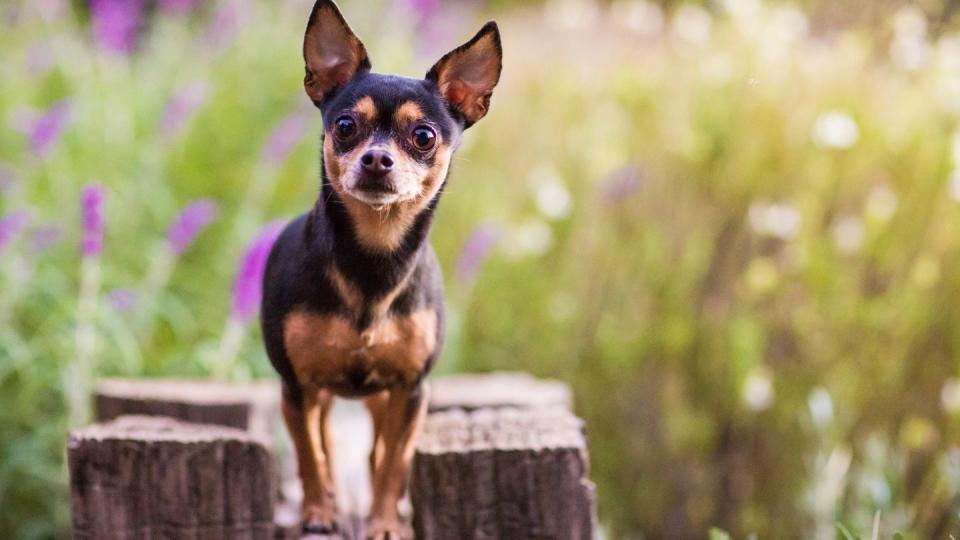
pixel 758 327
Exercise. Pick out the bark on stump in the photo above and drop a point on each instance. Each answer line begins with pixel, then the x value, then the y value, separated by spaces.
pixel 498 389
pixel 502 473
pixel 155 477
pixel 253 407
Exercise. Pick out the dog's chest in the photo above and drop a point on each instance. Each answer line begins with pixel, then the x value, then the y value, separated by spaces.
pixel 329 351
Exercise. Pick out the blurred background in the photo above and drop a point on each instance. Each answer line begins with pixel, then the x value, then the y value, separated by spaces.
pixel 731 226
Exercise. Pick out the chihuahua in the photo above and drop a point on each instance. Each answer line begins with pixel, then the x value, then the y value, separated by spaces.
pixel 352 293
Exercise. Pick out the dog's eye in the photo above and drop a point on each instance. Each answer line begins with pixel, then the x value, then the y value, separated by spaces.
pixel 424 137
pixel 345 127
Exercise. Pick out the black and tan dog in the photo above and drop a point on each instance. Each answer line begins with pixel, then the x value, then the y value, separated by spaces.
pixel 352 295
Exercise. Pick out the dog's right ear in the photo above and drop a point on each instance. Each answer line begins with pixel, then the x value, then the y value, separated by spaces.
pixel 333 54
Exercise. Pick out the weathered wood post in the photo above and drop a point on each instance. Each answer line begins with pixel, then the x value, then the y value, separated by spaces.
pixel 500 457
pixel 510 463
pixel 155 477
pixel 254 407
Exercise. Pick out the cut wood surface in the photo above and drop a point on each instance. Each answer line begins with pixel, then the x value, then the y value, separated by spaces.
pixel 500 457
pixel 498 389
pixel 154 477
pixel 253 406
pixel 503 473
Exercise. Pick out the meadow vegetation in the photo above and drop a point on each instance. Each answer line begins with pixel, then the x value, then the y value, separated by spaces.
pixel 732 228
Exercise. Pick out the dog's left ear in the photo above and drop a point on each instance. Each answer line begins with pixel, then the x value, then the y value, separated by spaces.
pixel 333 54
pixel 467 75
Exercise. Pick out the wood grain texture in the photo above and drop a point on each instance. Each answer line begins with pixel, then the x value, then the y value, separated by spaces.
pixel 502 473
pixel 253 407
pixel 155 477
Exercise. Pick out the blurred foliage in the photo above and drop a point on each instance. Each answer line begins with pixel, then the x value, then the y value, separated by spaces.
pixel 732 230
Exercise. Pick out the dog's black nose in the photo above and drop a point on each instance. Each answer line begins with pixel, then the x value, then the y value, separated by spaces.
pixel 377 162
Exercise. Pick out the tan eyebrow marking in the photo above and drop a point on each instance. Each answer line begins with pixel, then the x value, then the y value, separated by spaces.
pixel 408 113
pixel 366 108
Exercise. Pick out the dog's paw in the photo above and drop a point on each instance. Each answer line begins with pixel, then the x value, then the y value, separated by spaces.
pixel 381 529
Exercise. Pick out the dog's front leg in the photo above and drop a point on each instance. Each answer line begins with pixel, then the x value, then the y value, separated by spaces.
pixel 304 424
pixel 400 422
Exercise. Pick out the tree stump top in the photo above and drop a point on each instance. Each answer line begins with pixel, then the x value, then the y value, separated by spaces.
pixel 505 428
pixel 160 428
pixel 500 389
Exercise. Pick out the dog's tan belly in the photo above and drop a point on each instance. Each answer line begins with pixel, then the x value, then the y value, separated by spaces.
pixel 328 351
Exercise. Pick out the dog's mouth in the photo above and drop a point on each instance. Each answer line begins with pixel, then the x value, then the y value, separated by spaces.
pixel 377 193
pixel 378 200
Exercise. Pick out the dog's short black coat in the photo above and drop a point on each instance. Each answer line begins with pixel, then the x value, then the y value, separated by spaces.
pixel 352 293
pixel 295 275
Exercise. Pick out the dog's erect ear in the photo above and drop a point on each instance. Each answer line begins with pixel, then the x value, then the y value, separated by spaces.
pixel 332 52
pixel 466 75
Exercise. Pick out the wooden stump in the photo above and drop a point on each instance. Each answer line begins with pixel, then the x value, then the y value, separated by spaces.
pixel 253 407
pixel 502 473
pixel 498 389
pixel 155 477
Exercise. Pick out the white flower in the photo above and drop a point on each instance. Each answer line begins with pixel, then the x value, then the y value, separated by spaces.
pixel 881 203
pixel 950 395
pixel 909 48
pixel 530 238
pixel 821 406
pixel 848 234
pixel 910 53
pixel 955 184
pixel 745 10
pixel 955 148
pixel 692 24
pixel 758 390
pixel 835 129
pixel 642 17
pixel 716 67
pixel 570 14
pixel 553 200
pixel 787 24
pixel 948 53
pixel 774 219
pixel 910 21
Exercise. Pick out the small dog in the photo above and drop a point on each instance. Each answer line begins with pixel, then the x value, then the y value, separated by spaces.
pixel 352 294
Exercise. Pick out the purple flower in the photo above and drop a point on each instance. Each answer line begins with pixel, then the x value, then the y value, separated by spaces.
pixel 39 58
pixel 248 285
pixel 225 23
pixel 92 211
pixel 116 23
pixel 11 225
pixel 181 108
pixel 424 9
pixel 45 131
pixel 622 183
pixel 193 219
pixel 284 137
pixel 122 300
pixel 176 6
pixel 6 177
pixel 476 250
pixel 45 237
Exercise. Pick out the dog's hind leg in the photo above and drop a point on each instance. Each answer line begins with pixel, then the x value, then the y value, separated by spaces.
pixel 304 424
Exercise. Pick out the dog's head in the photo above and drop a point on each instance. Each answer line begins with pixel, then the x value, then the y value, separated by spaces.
pixel 388 140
